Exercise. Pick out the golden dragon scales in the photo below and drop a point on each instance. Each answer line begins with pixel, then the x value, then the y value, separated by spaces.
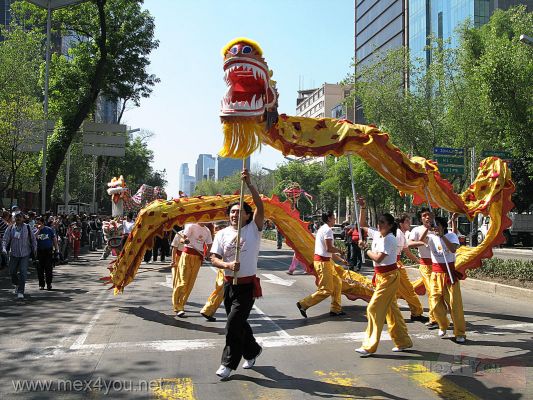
pixel 249 117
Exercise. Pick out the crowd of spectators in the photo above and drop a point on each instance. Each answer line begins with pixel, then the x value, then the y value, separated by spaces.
pixel 44 241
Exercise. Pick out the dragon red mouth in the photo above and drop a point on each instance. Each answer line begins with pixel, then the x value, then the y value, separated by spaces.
pixel 248 87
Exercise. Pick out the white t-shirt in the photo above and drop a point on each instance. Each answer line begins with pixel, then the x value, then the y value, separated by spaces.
pixel 387 245
pixel 439 250
pixel 415 235
pixel 127 226
pixel 224 246
pixel 323 233
pixel 176 242
pixel 197 235
pixel 401 241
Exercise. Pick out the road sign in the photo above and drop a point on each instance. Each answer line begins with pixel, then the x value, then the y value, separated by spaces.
pixel 31 135
pixel 451 170
pixel 104 139
pixel 448 151
pixel 449 160
pixel 504 155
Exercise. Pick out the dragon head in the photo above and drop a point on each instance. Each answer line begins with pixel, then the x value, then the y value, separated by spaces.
pixel 116 188
pixel 250 100
pixel 250 90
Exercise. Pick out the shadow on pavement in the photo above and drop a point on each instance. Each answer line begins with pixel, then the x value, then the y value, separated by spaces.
pixel 278 380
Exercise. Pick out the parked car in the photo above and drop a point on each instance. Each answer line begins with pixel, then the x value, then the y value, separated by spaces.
pixel 338 231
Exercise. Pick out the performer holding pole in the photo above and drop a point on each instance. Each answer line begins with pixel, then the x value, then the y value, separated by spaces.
pixel 239 296
pixel 383 305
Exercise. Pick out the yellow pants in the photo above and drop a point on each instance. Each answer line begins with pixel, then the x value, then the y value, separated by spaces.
pixel 443 294
pixel 217 297
pixel 407 292
pixel 425 272
pixel 329 284
pixel 184 278
pixel 383 306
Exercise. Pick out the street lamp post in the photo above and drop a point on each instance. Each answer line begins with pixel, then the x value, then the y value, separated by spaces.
pixel 49 5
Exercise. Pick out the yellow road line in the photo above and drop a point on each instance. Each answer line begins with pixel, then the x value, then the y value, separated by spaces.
pixel 442 387
pixel 174 389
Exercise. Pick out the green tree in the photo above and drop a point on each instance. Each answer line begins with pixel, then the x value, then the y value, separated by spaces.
pixel 112 40
pixel 19 107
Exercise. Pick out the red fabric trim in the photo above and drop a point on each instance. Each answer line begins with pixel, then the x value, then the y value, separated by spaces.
pixel 316 257
pixel 192 252
pixel 258 292
pixel 426 261
pixel 441 268
pixel 382 269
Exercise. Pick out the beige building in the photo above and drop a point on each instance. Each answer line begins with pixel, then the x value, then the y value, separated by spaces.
pixel 318 103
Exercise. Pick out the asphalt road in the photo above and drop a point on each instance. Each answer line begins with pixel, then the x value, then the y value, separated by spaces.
pixel 523 254
pixel 84 342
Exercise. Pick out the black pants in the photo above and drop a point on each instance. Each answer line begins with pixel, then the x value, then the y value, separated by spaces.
pixel 161 246
pixel 356 258
pixel 240 341
pixel 45 266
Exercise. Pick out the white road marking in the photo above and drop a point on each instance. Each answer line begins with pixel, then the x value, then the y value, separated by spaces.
pixel 280 332
pixel 277 280
pixel 279 340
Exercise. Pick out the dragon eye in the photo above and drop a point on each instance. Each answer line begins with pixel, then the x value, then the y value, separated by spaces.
pixel 234 50
pixel 246 50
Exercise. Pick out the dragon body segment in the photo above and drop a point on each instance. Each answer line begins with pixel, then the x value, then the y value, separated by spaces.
pixel 161 215
pixel 244 132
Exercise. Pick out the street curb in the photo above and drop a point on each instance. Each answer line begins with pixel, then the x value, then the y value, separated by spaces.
pixel 498 289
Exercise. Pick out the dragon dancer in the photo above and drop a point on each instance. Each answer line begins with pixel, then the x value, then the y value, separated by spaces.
pixel 217 296
pixel 425 258
pixel 239 298
pixel 329 282
pixel 195 236
pixel 445 288
pixel 406 290
pixel 383 305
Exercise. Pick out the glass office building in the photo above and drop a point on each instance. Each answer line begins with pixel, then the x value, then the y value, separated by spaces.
pixel 442 18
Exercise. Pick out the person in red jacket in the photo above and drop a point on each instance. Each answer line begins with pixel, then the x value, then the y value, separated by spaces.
pixel 355 259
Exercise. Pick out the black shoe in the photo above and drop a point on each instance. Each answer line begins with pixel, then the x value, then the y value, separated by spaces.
pixel 49 287
pixel 336 314
pixel 419 318
pixel 302 310
pixel 209 317
pixel 431 325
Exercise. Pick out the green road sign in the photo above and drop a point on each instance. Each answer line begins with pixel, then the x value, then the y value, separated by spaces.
pixel 504 155
pixel 447 170
pixel 447 160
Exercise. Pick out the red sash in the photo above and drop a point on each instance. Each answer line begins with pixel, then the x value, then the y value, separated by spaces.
pixel 381 269
pixel 192 252
pixel 426 261
pixel 316 257
pixel 440 268
pixel 258 292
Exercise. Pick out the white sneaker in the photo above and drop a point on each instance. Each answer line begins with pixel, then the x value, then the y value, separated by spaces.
pixel 250 363
pixel 399 349
pixel 181 314
pixel 15 291
pixel 441 333
pixel 224 372
pixel 460 339
pixel 20 296
pixel 363 352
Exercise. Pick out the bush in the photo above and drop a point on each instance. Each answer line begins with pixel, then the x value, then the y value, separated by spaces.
pixel 270 234
pixel 504 269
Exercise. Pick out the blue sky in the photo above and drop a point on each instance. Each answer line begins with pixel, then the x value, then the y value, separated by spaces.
pixel 301 39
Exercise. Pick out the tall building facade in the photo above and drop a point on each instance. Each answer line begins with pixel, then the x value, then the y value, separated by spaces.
pixel 317 103
pixel 205 167
pixel 382 25
pixel 229 166
pixel 441 18
pixel 186 182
